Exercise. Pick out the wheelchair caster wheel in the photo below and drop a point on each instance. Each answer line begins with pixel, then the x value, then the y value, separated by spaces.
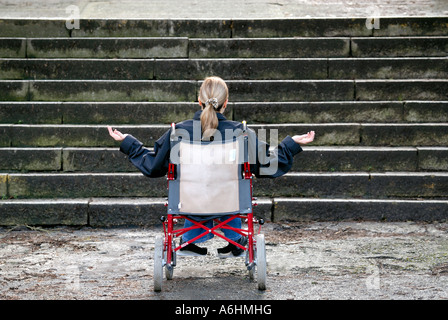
pixel 169 272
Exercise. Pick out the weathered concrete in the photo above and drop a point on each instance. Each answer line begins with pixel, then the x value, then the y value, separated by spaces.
pixel 307 184
pixel 113 90
pixel 417 134
pixel 119 212
pixel 369 159
pixel 323 112
pixel 241 69
pixel 230 69
pixel 146 212
pixel 399 46
pixel 388 68
pixel 154 28
pixel 30 159
pixel 5 135
pixel 73 69
pixel 359 209
pixel 78 135
pixel 12 47
pixel 17 90
pixel 426 111
pixel 95 160
pixel 269 48
pixel 291 90
pixel 4 186
pixel 14 112
pixel 122 48
pixel 133 113
pixel 421 89
pixel 84 185
pixel 69 212
pixel 433 158
pixel 313 159
pixel 139 113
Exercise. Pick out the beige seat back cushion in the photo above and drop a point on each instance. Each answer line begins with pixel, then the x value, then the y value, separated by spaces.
pixel 209 178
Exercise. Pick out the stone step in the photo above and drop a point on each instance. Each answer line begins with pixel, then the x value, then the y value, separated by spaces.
pixel 113 212
pixel 253 112
pixel 340 111
pixel 173 47
pixel 348 134
pixel 424 89
pixel 237 28
pixel 328 27
pixel 313 159
pixel 320 47
pixel 38 28
pixel 163 47
pixel 399 46
pixel 77 69
pixel 98 90
pixel 337 27
pixel 287 209
pixel 388 68
pixel 303 68
pixel 389 185
pixel 181 47
pixel 231 69
pixel 241 90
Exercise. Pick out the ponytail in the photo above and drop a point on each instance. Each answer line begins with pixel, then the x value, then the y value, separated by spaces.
pixel 213 94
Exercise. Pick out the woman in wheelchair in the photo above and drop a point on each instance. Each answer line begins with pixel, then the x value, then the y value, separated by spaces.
pixel 209 124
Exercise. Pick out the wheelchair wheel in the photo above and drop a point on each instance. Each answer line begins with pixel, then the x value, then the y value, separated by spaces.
pixel 158 263
pixel 261 262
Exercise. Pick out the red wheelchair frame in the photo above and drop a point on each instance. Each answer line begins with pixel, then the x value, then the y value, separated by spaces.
pixel 165 247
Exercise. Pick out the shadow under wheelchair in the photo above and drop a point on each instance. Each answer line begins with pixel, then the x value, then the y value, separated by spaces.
pixel 216 287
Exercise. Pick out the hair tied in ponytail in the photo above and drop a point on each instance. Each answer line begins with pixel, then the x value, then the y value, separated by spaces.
pixel 213 94
pixel 213 102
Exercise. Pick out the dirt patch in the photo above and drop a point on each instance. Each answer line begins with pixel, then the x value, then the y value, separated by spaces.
pixel 320 260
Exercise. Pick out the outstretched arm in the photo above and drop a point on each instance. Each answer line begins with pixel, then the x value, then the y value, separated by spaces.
pixel 152 163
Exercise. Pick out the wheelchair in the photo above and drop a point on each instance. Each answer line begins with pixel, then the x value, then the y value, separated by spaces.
pixel 207 181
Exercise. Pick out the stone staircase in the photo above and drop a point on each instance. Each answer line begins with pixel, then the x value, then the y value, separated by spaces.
pixel 377 99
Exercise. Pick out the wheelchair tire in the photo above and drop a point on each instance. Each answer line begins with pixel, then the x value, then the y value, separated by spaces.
pixel 261 262
pixel 158 263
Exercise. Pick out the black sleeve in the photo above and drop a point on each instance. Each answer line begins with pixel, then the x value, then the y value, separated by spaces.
pixel 274 163
pixel 151 163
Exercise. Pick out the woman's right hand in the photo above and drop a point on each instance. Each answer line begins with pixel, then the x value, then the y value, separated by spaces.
pixel 305 138
pixel 117 135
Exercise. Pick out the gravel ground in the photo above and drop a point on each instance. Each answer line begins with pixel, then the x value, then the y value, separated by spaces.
pixel 346 260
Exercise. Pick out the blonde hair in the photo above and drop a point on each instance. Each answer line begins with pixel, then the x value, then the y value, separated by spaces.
pixel 212 94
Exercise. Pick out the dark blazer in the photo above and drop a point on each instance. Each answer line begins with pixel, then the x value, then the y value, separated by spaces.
pixel 264 163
